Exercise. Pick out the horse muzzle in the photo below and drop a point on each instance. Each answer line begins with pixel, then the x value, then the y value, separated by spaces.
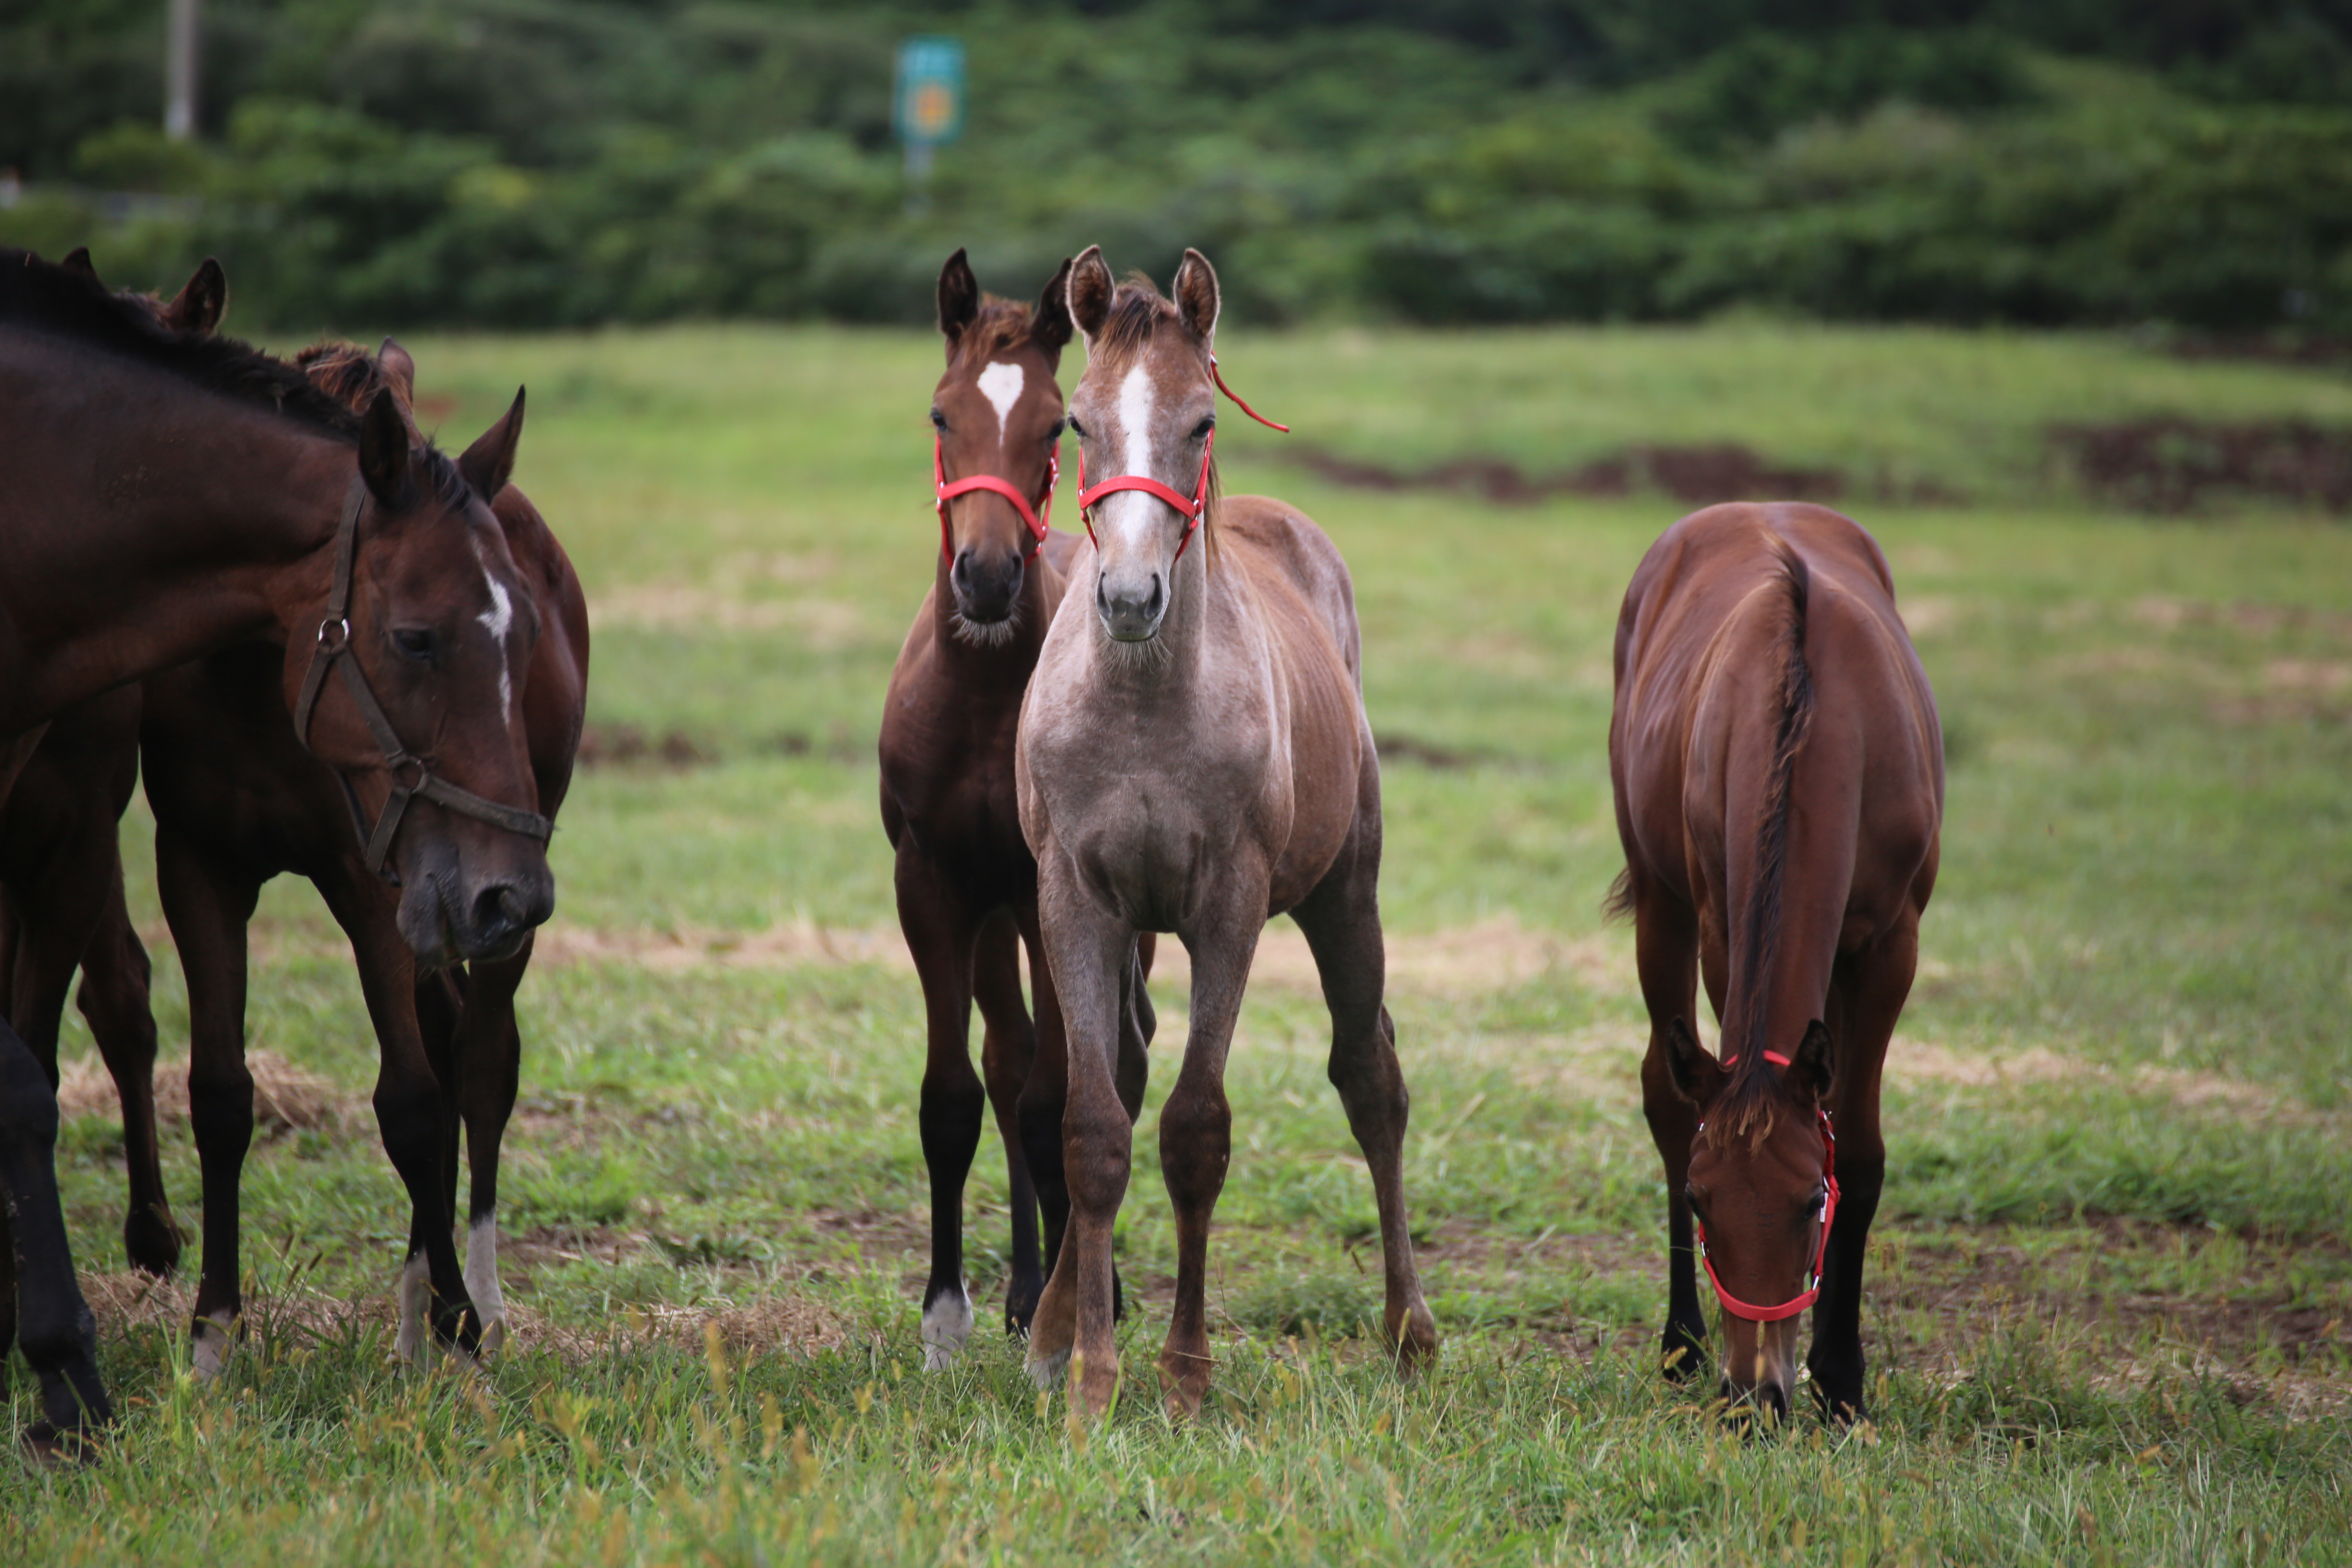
pixel 1131 610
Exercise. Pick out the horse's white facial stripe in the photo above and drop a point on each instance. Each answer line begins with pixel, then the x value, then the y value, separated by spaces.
pixel 497 620
pixel 1000 383
pixel 1139 409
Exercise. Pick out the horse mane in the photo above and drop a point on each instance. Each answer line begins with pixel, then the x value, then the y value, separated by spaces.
pixel 1002 326
pixel 46 297
pixel 1747 1101
pixel 352 376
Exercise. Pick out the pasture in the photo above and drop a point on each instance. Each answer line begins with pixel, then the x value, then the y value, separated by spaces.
pixel 2112 1276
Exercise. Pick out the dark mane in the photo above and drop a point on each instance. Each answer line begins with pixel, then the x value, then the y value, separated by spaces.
pixel 1747 1102
pixel 1002 326
pixel 40 296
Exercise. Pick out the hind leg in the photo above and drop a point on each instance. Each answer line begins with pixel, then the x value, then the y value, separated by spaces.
pixel 1008 1047
pixel 116 983
pixel 1870 987
pixel 1342 922
pixel 940 930
pixel 1666 947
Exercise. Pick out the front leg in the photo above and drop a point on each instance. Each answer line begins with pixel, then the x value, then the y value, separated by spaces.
pixel 1086 947
pixel 54 1326
pixel 941 928
pixel 488 1073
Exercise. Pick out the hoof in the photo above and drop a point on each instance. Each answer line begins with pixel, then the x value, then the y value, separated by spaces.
pixel 1048 1370
pixel 1184 1383
pixel 1413 1336
pixel 210 1345
pixel 153 1244
pixel 51 1449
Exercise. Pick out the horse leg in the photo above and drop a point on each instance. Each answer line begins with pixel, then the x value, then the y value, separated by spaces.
pixel 207 909
pixel 488 1073
pixel 941 931
pixel 116 983
pixel 54 1326
pixel 1342 919
pixel 411 1113
pixel 1870 987
pixel 440 1015
pixel 1086 948
pixel 1666 950
pixel 1196 1125
pixel 1044 1093
pixel 1008 1046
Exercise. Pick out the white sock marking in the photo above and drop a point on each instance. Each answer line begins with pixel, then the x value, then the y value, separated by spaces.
pixel 482 1280
pixel 947 1324
pixel 1000 385
pixel 214 1340
pixel 416 1289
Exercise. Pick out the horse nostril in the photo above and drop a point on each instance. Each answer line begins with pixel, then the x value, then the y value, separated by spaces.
pixel 1155 593
pixel 962 572
pixel 498 909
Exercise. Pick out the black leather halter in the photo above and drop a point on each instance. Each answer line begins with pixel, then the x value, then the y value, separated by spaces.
pixel 411 774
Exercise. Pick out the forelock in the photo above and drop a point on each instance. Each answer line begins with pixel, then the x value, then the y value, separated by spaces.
pixel 1002 326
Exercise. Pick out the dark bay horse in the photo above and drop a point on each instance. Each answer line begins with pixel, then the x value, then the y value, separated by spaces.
pixel 967 884
pixel 1194 758
pixel 237 801
pixel 164 494
pixel 1778 771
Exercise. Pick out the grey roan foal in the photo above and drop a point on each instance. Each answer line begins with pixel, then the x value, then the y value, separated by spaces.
pixel 1194 758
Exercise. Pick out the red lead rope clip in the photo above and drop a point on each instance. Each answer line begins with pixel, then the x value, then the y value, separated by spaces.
pixel 1192 506
pixel 1788 1308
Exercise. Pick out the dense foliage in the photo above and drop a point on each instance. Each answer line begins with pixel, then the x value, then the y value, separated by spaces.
pixel 542 163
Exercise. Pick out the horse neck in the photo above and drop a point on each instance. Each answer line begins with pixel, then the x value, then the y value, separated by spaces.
pixel 185 521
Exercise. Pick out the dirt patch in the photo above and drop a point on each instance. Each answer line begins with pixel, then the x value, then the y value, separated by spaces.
pixel 1491 955
pixel 1696 475
pixel 2176 465
pixel 1913 1063
pixel 623 745
pixel 285 1097
pixel 825 625
pixel 2254 620
pixel 2317 350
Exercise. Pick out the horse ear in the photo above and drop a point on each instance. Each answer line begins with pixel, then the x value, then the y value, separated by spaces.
pixel 200 302
pixel 1049 326
pixel 77 260
pixel 399 371
pixel 1814 1066
pixel 489 463
pixel 959 299
pixel 1698 1075
pixel 1196 295
pixel 383 453
pixel 1088 293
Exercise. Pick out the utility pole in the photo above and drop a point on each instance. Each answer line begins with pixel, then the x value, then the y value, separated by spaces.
pixel 182 51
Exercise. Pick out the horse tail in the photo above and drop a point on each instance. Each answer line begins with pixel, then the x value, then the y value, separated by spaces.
pixel 1760 939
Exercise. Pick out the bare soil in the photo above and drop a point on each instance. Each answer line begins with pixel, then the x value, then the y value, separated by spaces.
pixel 1698 475
pixel 2171 465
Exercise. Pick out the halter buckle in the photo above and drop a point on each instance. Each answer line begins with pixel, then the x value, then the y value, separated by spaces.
pixel 334 635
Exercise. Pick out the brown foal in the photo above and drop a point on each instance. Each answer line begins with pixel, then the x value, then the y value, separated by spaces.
pixel 1194 758
pixel 967 884
pixel 1779 773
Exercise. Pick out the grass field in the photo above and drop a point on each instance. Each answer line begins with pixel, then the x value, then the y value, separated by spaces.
pixel 2112 1276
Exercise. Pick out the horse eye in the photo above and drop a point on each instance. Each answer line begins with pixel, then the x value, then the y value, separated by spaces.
pixel 1075 428
pixel 939 422
pixel 1055 432
pixel 1201 431
pixel 414 643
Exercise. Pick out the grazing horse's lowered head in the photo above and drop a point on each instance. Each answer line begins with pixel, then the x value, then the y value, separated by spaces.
pixel 1147 411
pixel 1762 1190
pixel 438 626
pixel 998 414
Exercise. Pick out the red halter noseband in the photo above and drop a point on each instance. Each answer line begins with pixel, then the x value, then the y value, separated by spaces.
pixel 1192 506
pixel 1788 1308
pixel 1037 518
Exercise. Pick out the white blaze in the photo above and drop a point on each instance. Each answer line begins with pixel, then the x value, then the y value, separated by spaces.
pixel 1000 383
pixel 1137 409
pixel 497 620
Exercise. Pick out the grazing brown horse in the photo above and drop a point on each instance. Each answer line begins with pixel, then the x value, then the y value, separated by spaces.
pixel 1194 758
pixel 237 801
pixel 164 494
pixel 967 884
pixel 1780 781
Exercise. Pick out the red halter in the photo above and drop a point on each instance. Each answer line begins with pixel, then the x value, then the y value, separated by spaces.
pixel 1037 518
pixel 1192 506
pixel 1788 1308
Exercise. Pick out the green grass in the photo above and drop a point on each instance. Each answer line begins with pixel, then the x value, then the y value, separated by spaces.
pixel 2113 1268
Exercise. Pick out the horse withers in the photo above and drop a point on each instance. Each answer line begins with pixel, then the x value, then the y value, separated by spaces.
pixel 1194 758
pixel 162 494
pixel 1779 774
pixel 966 881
